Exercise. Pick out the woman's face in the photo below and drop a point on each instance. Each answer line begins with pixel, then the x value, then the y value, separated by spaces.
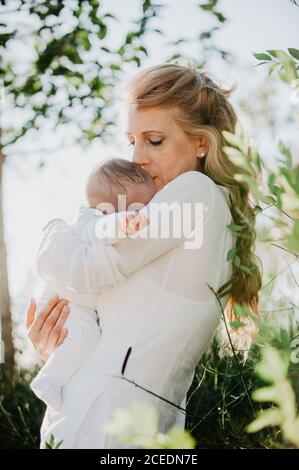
pixel 160 146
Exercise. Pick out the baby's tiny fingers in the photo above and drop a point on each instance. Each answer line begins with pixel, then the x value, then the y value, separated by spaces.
pixel 140 222
pixel 143 219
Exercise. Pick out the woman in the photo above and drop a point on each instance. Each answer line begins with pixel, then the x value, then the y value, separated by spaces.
pixel 157 298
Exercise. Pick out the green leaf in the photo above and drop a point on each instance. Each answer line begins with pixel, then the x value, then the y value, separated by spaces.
pixel 50 444
pixel 109 15
pixel 179 439
pixel 247 269
pixel 230 254
pixel 273 367
pixel 103 31
pixel 288 72
pixel 237 324
pixel 294 52
pixel 257 210
pixel 209 6
pixel 291 240
pixel 220 16
pixel 237 158
pixel 273 52
pixel 237 261
pixel 241 310
pixel 255 189
pixel 266 394
pixel 234 227
pixel 262 56
pixel 58 444
pixel 231 138
pixel 272 68
pixel 144 50
pixel 137 60
pixel 265 418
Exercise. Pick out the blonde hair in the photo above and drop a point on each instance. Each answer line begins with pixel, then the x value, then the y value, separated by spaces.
pixel 204 110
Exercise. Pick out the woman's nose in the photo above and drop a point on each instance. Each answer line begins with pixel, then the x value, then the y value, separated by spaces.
pixel 139 156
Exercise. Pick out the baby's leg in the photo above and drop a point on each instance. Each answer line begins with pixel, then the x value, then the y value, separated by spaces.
pixel 83 336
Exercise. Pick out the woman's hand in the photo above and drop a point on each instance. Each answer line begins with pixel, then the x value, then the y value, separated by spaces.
pixel 46 332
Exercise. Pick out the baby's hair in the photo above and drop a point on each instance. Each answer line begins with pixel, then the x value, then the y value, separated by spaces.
pixel 118 170
pixel 115 174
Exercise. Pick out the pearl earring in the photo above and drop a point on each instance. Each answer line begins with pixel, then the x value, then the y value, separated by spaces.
pixel 202 154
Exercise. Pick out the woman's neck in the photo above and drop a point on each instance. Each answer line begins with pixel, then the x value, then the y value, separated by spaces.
pixel 200 163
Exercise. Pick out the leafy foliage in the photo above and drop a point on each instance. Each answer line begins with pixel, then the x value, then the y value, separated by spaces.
pixel 273 368
pixel 139 426
pixel 20 413
pixel 72 73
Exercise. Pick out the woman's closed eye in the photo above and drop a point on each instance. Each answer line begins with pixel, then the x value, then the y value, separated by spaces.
pixel 152 142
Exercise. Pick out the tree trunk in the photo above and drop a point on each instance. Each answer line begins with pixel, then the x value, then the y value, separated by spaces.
pixel 6 321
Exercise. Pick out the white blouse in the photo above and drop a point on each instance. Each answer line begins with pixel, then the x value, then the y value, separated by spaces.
pixel 155 300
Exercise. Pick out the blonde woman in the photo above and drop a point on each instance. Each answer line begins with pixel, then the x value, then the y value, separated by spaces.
pixel 156 302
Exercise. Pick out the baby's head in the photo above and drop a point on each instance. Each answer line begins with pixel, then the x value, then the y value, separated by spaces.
pixel 118 176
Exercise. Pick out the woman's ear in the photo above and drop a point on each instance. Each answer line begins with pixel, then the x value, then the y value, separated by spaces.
pixel 202 146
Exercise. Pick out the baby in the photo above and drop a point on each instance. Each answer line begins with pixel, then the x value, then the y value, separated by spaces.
pixel 115 190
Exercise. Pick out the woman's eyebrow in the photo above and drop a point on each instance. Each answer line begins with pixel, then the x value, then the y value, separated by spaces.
pixel 147 132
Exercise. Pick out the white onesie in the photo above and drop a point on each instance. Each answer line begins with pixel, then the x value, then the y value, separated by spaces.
pixel 83 322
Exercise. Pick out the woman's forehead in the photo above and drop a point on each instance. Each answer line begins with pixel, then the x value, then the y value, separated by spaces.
pixel 149 120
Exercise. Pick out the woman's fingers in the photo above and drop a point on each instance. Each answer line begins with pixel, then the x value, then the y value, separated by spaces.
pixel 63 335
pixel 45 331
pixel 56 331
pixel 30 313
pixel 56 334
pixel 53 317
pixel 39 322
pixel 39 330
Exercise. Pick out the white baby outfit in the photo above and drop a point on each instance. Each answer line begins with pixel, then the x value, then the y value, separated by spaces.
pixel 84 330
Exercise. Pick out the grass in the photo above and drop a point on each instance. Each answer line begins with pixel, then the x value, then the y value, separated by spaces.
pixel 21 413
pixel 218 407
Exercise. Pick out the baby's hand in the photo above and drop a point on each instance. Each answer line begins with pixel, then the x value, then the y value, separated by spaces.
pixel 133 223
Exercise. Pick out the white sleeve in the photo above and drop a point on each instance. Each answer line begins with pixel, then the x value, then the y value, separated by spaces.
pixel 90 267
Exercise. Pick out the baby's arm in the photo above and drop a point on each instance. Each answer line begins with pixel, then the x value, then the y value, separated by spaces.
pixel 93 226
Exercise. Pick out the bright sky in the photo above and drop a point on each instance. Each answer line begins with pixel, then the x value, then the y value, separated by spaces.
pixel 34 196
